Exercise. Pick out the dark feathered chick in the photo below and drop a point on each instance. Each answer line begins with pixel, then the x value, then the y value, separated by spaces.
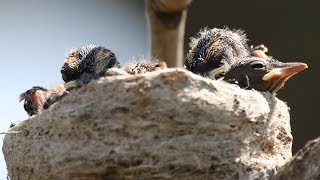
pixel 212 51
pixel 89 59
pixel 131 68
pixel 38 98
pixel 34 99
pixel 261 74
pixel 87 77
pixel 222 53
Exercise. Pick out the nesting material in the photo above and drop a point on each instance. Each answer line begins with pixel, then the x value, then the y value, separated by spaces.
pixel 164 124
pixel 304 165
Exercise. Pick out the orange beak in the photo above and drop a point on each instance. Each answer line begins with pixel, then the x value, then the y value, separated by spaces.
pixel 281 73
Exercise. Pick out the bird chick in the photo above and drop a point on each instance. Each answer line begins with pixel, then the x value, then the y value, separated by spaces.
pixel 55 94
pixel 143 66
pixel 38 98
pixel 34 99
pixel 212 51
pixel 89 59
pixel 261 74
pixel 131 68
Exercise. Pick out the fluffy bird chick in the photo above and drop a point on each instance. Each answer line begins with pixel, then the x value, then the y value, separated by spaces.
pixel 38 98
pixel 89 59
pixel 131 68
pixel 143 66
pixel 262 75
pixel 213 50
pixel 34 100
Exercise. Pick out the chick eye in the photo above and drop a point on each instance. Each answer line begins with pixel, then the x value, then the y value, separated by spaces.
pixel 257 66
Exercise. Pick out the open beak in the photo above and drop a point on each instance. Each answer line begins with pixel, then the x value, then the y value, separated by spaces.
pixel 281 73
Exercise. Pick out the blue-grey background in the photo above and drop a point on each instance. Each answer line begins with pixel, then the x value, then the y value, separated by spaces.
pixel 35 36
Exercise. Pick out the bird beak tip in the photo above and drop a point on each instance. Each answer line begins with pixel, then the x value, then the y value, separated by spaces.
pixel 279 75
pixel 287 70
pixel 306 65
pixel 298 66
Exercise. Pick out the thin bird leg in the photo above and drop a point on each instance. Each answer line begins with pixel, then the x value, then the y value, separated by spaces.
pixel 248 83
pixel 217 71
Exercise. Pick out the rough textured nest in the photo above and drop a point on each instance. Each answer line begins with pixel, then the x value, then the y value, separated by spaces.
pixel 165 124
pixel 304 165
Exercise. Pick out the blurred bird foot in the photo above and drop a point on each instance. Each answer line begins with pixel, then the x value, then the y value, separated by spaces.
pixel 260 47
pixel 259 51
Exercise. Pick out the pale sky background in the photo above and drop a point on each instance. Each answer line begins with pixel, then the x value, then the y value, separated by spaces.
pixel 35 36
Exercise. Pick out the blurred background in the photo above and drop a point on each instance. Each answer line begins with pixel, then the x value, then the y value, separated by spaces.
pixel 291 31
pixel 36 35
